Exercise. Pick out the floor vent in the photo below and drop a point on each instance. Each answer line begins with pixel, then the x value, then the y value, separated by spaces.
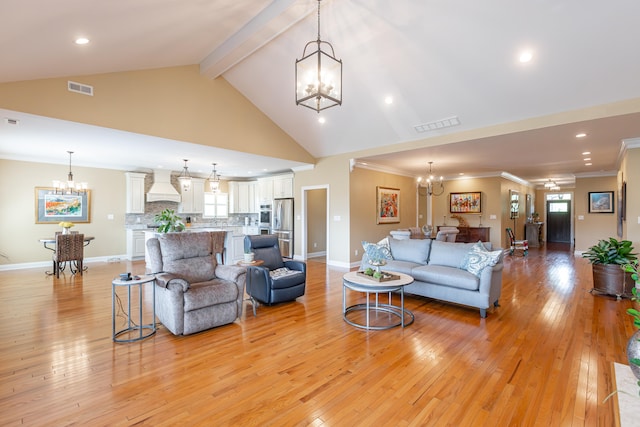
pixel 438 124
pixel 80 88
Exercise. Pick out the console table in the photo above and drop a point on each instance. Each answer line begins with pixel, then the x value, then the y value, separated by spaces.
pixel 472 234
pixel 533 233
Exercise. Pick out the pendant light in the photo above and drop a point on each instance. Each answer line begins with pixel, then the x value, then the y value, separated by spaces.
pixel 69 186
pixel 318 75
pixel 185 179
pixel 435 187
pixel 214 180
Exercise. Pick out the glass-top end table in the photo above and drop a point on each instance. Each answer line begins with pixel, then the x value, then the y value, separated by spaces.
pixel 359 283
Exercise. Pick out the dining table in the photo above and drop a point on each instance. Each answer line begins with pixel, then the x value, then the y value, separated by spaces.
pixel 52 241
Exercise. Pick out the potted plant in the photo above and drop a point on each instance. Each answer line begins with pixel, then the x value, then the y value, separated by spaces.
pixel 606 258
pixel 168 221
pixel 248 256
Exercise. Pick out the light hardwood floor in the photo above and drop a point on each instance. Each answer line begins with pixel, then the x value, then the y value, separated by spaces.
pixel 543 358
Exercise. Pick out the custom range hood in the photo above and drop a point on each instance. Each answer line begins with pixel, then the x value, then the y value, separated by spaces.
pixel 162 190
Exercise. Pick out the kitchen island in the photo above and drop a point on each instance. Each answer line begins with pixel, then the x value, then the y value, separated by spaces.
pixel 233 242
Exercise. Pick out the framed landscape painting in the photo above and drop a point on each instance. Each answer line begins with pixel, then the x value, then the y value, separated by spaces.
pixel 601 202
pixel 387 205
pixel 465 202
pixel 54 208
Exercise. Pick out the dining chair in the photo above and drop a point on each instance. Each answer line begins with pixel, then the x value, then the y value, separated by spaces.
pixel 69 248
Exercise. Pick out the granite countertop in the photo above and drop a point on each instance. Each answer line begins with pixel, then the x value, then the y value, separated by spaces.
pixel 231 229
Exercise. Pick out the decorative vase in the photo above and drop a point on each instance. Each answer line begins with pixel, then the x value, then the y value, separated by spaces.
pixel 377 264
pixel 66 230
pixel 633 352
pixel 248 257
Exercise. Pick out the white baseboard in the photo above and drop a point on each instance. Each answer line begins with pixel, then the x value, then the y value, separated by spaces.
pixel 47 264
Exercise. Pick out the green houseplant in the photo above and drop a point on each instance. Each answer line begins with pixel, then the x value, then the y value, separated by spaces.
pixel 633 346
pixel 606 258
pixel 168 221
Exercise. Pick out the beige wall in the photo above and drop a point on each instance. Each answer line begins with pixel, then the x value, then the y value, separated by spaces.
pixel 630 173
pixel 18 230
pixel 317 220
pixel 332 172
pixel 594 226
pixel 179 103
pixel 175 103
pixel 362 186
pixel 495 196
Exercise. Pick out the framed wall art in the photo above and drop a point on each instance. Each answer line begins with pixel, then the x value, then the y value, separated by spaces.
pixel 601 202
pixel 54 208
pixel 465 202
pixel 387 205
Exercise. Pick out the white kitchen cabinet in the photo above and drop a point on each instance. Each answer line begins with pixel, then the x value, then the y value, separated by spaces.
pixel 265 190
pixel 251 230
pixel 242 197
pixel 135 192
pixel 282 186
pixel 193 199
pixel 135 244
pixel 237 248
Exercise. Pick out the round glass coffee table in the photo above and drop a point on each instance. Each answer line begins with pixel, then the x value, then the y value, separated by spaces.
pixel 392 315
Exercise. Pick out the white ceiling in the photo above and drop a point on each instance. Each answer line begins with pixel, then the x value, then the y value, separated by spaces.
pixel 436 59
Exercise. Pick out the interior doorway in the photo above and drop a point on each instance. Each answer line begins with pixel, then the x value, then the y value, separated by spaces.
pixel 315 205
pixel 559 219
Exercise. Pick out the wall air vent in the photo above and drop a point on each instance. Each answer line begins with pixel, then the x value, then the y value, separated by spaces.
pixel 438 124
pixel 11 121
pixel 80 88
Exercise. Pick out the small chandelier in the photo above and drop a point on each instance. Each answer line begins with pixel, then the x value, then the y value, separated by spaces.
pixel 551 186
pixel 185 179
pixel 214 180
pixel 433 186
pixel 70 187
pixel 318 76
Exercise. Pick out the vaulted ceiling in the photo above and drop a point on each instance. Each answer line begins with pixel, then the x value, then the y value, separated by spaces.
pixel 435 59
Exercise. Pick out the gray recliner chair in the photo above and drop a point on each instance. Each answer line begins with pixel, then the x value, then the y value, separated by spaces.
pixel 276 280
pixel 193 291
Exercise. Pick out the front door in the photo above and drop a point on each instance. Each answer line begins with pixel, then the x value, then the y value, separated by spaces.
pixel 559 221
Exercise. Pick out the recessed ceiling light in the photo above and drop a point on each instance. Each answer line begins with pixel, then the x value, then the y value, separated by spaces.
pixel 388 100
pixel 586 159
pixel 82 40
pixel 321 120
pixel 526 56
pixel 581 135
pixel 586 153
pixel 588 164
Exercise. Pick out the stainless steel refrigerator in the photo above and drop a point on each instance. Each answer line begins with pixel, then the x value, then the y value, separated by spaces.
pixel 282 225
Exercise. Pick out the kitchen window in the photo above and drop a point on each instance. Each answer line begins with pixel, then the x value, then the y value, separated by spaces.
pixel 216 205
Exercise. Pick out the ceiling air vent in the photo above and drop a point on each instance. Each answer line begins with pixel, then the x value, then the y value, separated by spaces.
pixel 11 121
pixel 438 124
pixel 80 88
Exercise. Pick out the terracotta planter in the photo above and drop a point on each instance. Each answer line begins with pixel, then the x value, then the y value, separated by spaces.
pixel 610 279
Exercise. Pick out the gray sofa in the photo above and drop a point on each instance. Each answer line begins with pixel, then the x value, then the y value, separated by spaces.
pixel 193 291
pixel 445 271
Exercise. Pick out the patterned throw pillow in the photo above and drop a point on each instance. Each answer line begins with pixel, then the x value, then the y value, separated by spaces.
pixel 478 258
pixel 377 251
pixel 282 272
